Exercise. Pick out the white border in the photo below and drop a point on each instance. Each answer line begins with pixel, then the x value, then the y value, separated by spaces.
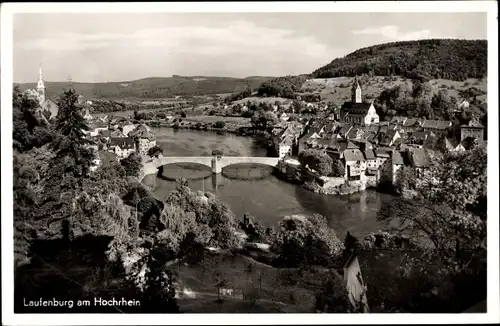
pixel 7 11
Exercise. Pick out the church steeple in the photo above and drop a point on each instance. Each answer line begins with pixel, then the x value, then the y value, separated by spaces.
pixel 356 91
pixel 40 87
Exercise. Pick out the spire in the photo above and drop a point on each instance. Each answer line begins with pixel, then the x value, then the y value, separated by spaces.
pixel 40 74
pixel 40 87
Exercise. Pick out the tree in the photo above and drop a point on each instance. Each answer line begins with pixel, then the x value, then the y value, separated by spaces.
pixel 333 298
pixel 264 120
pixel 338 169
pixel 219 124
pixel 155 151
pixel 71 141
pixel 317 160
pixel 449 216
pixel 132 164
pixel 183 114
pixel 307 240
pixel 405 179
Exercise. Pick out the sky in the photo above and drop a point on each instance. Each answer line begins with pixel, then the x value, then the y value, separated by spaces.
pixel 125 46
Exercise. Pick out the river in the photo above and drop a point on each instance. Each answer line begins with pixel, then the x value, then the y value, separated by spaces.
pixel 254 189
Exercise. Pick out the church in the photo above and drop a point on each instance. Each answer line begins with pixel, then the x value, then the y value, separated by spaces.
pixel 46 104
pixel 358 112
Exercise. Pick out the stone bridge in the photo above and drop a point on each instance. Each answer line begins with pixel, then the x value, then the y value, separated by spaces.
pixel 214 162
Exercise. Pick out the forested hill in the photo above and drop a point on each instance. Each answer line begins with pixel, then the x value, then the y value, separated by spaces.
pixel 155 87
pixel 452 59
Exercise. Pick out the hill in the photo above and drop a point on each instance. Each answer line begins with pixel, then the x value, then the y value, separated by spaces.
pixel 155 87
pixel 451 59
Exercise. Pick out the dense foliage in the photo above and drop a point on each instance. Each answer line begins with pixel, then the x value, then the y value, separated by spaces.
pixel 306 240
pixel 435 58
pixel 317 160
pixel 282 87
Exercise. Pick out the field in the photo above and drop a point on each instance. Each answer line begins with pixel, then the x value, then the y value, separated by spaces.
pixel 338 89
pixel 230 121
pixel 261 99
pixel 272 289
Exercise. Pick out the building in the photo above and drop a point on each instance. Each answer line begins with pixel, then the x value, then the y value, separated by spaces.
pixel 438 127
pixel 397 164
pixel 355 163
pixel 473 130
pixel 47 105
pixel 122 147
pixel 145 139
pixel 355 285
pixel 128 128
pixel 87 115
pixel 357 111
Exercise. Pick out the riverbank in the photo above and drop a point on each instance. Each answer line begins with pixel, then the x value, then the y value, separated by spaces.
pixel 219 124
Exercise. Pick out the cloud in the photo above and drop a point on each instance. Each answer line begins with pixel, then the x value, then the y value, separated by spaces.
pixel 237 48
pixel 236 38
pixel 393 33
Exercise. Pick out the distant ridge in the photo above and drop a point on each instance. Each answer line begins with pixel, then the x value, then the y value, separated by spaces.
pixel 154 87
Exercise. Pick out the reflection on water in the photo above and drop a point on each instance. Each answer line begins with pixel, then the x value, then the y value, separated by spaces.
pixel 255 190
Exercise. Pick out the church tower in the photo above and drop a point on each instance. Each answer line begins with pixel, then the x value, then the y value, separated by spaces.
pixel 40 87
pixel 356 91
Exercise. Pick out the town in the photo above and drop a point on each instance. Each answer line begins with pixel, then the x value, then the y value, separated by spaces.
pixel 363 151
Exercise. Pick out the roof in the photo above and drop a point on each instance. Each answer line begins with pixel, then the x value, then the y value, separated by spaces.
pixel 142 131
pixel 105 133
pixel 381 152
pixel 353 155
pixel 122 142
pixel 473 124
pixel 410 122
pixel 420 158
pixel 397 158
pixel 436 124
pixel 356 108
pixel 369 154
pixel 398 119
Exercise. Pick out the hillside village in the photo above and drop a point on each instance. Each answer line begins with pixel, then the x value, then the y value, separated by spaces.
pixel 372 151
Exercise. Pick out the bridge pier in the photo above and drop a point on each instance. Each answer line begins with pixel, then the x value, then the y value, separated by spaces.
pixel 216 166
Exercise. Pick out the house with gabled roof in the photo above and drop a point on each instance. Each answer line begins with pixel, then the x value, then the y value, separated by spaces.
pixel 473 129
pixel 122 147
pixel 355 162
pixel 144 138
pixel 397 163
pixel 398 120
pixel 438 127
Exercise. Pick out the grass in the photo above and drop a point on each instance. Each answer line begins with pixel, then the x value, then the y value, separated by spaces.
pixel 338 89
pixel 279 290
pixel 261 99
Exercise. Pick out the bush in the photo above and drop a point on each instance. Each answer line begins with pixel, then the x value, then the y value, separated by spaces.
pixel 219 124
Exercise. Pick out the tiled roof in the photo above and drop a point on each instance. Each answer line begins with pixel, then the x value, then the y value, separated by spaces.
pixel 411 122
pixel 382 153
pixel 355 155
pixel 436 124
pixel 398 119
pixel 369 154
pixel 473 124
pixel 356 108
pixel 122 142
pixel 397 158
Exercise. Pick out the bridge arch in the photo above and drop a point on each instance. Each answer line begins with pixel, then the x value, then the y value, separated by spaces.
pixel 217 163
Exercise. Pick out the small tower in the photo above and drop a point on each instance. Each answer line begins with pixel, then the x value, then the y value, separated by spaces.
pixel 40 87
pixel 356 91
